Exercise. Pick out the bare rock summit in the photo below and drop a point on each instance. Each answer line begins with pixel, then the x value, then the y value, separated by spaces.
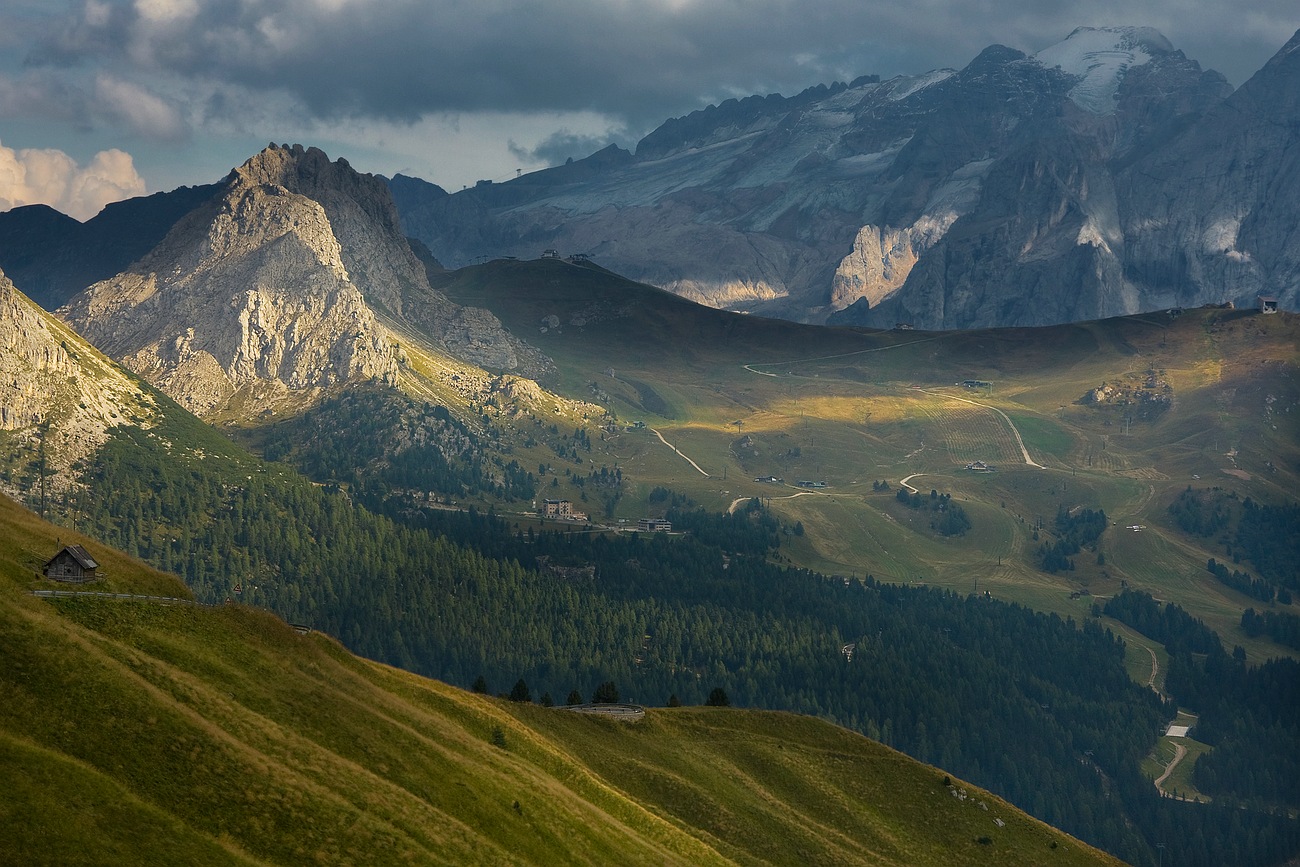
pixel 277 289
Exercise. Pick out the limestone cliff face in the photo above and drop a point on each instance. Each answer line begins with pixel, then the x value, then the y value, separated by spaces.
pixel 882 258
pixel 56 392
pixel 1213 217
pixel 1104 175
pixel 273 291
pixel 248 296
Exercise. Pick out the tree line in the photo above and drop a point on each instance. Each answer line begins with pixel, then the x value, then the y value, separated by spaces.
pixel 1034 707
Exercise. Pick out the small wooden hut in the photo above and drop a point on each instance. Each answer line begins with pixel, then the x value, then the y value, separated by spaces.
pixel 73 564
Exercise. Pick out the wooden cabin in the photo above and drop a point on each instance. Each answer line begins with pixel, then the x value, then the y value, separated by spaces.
pixel 73 564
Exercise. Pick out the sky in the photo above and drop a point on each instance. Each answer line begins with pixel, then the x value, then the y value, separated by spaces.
pixel 106 99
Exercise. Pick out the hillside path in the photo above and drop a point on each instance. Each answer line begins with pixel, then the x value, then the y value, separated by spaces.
pixel 679 452
pixel 1006 418
pixel 736 502
pixel 1155 668
pixel 1179 752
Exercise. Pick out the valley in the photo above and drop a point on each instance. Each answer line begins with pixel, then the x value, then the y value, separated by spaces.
pixel 889 410
pixel 1002 551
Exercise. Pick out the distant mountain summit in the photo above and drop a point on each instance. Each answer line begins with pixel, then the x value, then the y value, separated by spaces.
pixel 1099 59
pixel 1020 190
pixel 278 287
pixel 51 257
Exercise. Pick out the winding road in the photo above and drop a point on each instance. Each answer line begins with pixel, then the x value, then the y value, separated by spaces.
pixel 1179 752
pixel 1006 418
pixel 736 502
pixel 679 452
pixel 904 482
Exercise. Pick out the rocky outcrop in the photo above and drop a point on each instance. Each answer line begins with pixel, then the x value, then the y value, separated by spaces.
pixel 247 297
pixel 882 259
pixel 58 396
pixel 274 291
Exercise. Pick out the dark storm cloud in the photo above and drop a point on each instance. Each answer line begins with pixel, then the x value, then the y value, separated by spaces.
pixel 400 60
pixel 564 145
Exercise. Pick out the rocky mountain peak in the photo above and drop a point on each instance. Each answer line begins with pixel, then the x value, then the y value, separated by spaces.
pixel 308 172
pixel 246 301
pixel 273 290
pixel 1099 58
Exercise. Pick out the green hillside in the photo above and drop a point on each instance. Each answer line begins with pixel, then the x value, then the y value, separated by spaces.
pixel 1120 415
pixel 142 732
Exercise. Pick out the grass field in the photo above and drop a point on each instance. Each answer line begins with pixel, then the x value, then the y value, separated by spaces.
pixel 135 733
pixel 1179 782
pixel 747 398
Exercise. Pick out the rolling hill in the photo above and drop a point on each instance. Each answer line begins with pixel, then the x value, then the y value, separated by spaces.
pixel 142 731
pixel 1120 414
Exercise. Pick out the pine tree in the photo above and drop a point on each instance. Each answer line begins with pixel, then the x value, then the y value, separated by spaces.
pixel 521 692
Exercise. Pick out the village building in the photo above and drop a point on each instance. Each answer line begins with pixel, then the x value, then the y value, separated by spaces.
pixel 654 525
pixel 557 509
pixel 73 564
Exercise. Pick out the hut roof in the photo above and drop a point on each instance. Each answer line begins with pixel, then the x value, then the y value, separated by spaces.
pixel 78 553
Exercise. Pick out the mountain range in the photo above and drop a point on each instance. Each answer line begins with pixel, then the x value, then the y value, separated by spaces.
pixel 1105 175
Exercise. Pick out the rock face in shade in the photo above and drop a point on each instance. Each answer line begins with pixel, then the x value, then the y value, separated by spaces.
pixel 51 256
pixel 1020 190
pixel 274 290
pixel 1216 214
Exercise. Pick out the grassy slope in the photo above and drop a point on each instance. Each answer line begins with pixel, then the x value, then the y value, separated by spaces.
pixel 145 733
pixel 852 407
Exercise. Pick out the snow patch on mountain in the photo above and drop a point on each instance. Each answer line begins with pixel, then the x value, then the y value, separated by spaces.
pixel 1100 57
pixel 905 85
pixel 1220 237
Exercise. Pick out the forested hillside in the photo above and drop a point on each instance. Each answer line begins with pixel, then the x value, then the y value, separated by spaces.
pixel 1035 707
pixel 152 730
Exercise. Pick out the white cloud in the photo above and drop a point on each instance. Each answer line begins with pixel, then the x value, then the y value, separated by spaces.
pixel 166 10
pixel 47 176
pixel 138 109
